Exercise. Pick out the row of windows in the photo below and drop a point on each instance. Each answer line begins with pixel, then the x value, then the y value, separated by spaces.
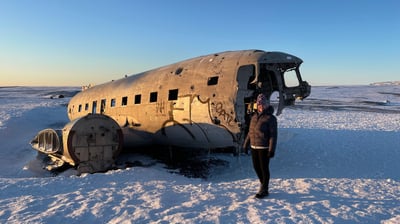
pixel 172 95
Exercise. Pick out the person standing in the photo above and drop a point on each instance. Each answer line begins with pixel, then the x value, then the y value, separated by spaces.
pixel 262 138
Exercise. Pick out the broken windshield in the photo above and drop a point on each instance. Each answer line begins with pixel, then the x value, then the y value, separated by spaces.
pixel 290 78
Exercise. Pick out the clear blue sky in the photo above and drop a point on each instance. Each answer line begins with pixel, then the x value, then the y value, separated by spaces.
pixel 77 42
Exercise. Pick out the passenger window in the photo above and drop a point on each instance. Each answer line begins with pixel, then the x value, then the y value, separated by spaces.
pixel 153 97
pixel 173 94
pixel 79 107
pixel 212 81
pixel 94 107
pixel 112 103
pixel 138 99
pixel 124 101
pixel 102 106
pixel 86 107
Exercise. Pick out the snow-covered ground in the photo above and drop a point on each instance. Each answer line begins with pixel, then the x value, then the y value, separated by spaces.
pixel 337 161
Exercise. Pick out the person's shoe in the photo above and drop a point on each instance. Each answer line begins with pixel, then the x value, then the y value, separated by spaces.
pixel 262 194
pixel 262 189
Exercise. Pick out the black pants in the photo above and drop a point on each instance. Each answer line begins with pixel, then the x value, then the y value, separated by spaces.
pixel 261 166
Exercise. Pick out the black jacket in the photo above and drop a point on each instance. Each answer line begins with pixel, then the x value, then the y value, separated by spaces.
pixel 263 130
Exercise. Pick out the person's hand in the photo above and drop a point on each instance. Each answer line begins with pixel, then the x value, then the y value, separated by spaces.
pixel 245 150
pixel 271 154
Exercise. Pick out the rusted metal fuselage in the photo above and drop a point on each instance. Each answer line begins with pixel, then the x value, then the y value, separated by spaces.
pixel 199 103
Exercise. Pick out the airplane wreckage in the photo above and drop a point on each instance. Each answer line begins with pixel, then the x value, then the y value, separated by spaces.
pixel 200 103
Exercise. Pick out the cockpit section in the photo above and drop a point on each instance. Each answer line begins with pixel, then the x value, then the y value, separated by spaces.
pixel 283 78
pixel 280 82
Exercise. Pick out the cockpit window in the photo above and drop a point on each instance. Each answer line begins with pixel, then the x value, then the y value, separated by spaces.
pixel 290 78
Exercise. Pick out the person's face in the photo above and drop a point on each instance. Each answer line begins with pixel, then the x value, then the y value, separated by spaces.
pixel 260 108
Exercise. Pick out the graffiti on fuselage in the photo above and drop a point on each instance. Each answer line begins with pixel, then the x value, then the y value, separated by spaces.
pixel 221 113
pixel 160 108
pixel 182 108
pixel 180 112
pixel 177 112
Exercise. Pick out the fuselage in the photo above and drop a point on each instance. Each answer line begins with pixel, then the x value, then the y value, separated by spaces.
pixel 199 103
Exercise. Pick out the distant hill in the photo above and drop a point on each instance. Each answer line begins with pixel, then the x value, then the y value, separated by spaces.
pixel 388 83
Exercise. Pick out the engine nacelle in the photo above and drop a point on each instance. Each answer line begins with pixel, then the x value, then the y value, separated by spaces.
pixel 91 143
